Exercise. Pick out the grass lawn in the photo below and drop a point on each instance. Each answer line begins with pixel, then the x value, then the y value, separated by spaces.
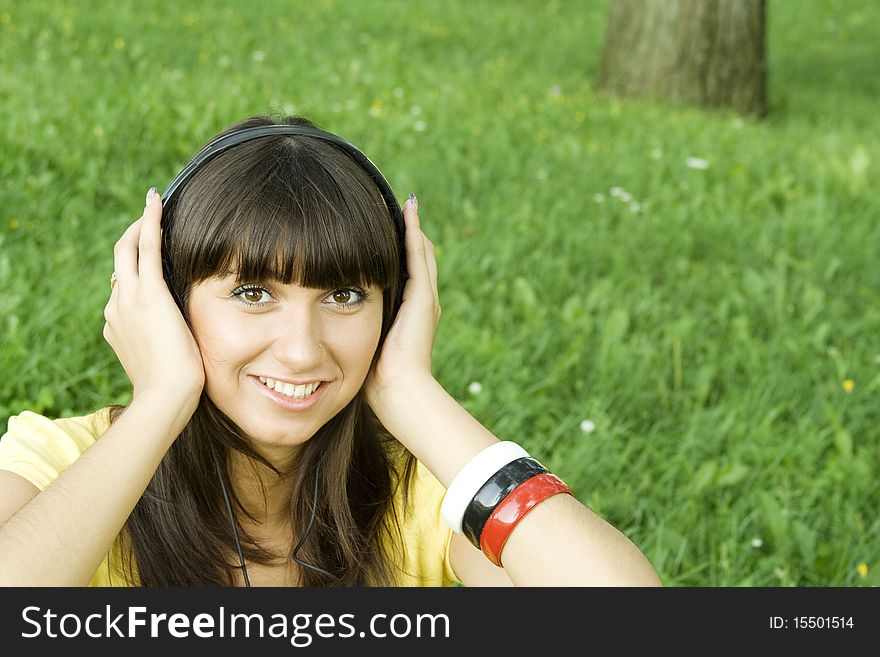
pixel 676 310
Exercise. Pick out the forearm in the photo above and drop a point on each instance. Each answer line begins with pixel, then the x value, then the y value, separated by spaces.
pixel 61 536
pixel 559 542
pixel 434 427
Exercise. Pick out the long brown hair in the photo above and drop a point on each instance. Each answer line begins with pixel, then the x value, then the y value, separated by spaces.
pixel 297 210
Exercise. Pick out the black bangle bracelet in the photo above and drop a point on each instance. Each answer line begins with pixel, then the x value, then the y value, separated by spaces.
pixel 493 492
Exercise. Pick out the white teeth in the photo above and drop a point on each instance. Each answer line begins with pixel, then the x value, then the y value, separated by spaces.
pixel 289 389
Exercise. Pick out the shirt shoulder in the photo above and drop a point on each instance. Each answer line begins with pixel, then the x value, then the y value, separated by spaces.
pixel 426 538
pixel 39 448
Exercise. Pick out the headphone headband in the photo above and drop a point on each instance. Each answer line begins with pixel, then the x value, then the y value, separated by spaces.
pixel 226 142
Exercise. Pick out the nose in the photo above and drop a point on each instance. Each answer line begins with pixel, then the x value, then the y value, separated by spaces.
pixel 297 341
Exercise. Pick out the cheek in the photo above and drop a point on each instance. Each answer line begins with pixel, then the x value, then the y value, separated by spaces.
pixel 212 345
pixel 355 349
pixel 221 346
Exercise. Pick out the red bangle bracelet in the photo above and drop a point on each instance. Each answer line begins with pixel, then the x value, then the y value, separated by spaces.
pixel 513 508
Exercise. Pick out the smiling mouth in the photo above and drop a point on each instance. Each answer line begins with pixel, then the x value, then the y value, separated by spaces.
pixel 291 390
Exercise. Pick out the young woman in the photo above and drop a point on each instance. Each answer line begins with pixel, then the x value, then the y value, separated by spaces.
pixel 285 428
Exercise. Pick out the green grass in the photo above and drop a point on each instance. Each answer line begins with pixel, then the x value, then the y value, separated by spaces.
pixel 704 320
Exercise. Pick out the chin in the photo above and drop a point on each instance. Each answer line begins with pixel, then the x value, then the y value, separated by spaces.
pixel 276 436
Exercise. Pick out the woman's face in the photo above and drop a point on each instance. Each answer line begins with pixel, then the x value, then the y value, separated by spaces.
pixel 256 335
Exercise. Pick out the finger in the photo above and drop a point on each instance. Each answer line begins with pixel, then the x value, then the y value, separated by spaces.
pixel 150 242
pixel 415 243
pixel 110 313
pixel 420 284
pixel 114 292
pixel 431 258
pixel 125 253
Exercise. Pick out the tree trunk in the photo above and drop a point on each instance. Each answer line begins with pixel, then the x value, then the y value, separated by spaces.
pixel 709 53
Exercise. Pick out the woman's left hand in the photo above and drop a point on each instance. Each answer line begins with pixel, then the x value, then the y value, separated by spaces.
pixel 406 352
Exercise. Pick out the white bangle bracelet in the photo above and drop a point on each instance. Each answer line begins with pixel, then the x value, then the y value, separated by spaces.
pixel 472 476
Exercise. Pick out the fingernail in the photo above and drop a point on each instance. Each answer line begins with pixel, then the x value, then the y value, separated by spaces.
pixel 414 201
pixel 151 194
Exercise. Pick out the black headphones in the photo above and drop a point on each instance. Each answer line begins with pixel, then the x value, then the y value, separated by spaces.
pixel 226 142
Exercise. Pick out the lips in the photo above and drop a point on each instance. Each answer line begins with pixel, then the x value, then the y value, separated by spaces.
pixel 288 389
pixel 290 402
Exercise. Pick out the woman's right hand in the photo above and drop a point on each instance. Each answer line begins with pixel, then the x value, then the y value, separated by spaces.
pixel 143 323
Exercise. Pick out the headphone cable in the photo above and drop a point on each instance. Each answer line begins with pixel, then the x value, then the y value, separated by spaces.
pixel 244 573
pixel 302 540
pixel 306 534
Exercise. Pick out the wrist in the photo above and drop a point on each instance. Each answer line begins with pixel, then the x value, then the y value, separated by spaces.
pixel 432 425
pixel 394 401
pixel 173 408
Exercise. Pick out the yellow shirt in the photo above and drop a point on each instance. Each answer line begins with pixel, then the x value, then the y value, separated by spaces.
pixel 40 449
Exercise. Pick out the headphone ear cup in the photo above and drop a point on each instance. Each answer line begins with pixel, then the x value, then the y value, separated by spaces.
pixel 167 264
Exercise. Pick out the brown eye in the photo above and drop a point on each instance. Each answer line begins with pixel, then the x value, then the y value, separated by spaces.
pixel 346 298
pixel 252 296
